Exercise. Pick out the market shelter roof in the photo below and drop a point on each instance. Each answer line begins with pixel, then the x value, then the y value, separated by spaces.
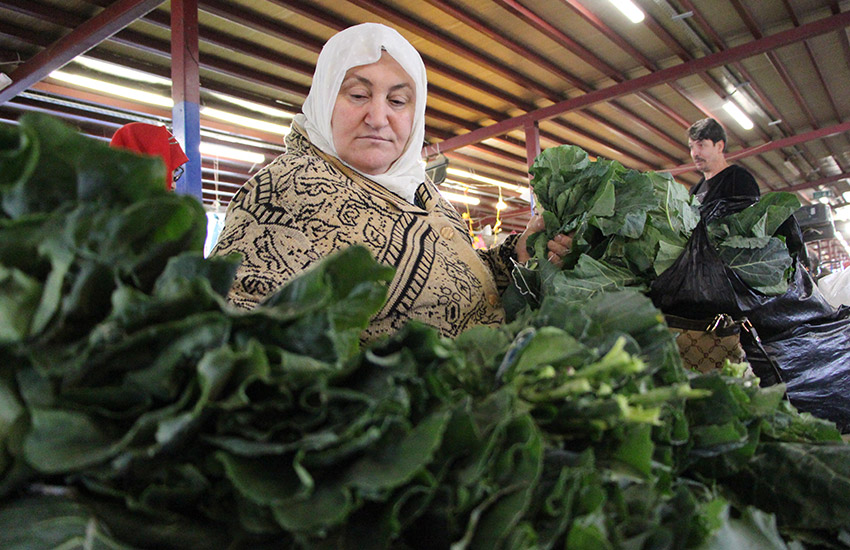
pixel 506 77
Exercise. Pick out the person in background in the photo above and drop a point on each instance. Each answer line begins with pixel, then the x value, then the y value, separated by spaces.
pixel 353 174
pixel 152 139
pixel 707 143
pixel 721 180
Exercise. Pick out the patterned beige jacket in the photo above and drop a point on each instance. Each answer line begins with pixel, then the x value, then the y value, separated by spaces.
pixel 305 205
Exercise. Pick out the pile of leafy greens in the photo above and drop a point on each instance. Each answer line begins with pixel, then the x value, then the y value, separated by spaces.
pixel 629 226
pixel 138 410
pixel 748 242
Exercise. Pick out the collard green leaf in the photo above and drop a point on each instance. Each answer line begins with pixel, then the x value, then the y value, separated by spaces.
pixel 634 198
pixel 617 217
pixel 754 529
pixel 400 459
pixel 19 300
pixel 805 485
pixel 52 522
pixel 763 269
pixel 54 163
pixel 66 441
pixel 181 423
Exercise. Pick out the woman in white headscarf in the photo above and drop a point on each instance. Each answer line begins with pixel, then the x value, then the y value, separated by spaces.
pixel 353 174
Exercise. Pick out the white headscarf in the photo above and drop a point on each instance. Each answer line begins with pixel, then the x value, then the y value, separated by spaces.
pixel 352 47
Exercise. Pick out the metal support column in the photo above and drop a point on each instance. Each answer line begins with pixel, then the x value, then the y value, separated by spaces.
pixel 185 79
pixel 532 149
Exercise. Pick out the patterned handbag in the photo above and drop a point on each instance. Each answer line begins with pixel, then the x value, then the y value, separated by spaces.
pixel 705 344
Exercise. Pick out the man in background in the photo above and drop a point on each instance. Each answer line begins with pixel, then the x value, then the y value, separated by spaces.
pixel 721 180
pixel 707 143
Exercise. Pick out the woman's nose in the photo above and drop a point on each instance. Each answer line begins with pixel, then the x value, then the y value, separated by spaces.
pixel 377 114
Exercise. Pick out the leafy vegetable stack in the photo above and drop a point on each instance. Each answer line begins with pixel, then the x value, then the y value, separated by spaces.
pixel 747 241
pixel 137 410
pixel 629 226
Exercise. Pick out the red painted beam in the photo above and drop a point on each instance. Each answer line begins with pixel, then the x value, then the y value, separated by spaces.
pixel 77 42
pixel 663 76
pixel 822 181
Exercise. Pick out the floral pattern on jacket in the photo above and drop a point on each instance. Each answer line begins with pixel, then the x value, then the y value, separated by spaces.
pixel 305 205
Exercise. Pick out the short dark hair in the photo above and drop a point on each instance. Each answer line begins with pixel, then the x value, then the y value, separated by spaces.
pixel 708 128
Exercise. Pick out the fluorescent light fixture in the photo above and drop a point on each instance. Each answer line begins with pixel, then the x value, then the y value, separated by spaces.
pixel 483 179
pixel 457 197
pixel 629 9
pixel 739 116
pixel 791 167
pixel 114 69
pixel 251 106
pixel 245 121
pixel 113 89
pixel 222 151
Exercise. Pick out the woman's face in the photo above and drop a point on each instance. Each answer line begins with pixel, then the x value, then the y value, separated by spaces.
pixel 373 115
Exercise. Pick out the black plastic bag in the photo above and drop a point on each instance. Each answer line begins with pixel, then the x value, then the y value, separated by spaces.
pixel 814 362
pixel 807 338
pixel 699 285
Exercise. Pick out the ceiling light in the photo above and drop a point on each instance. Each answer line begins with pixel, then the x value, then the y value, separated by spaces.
pixel 457 197
pixel 222 151
pixel 823 200
pixel 113 69
pixel 251 106
pixel 483 179
pixel 629 9
pixel 791 167
pixel 739 116
pixel 113 89
pixel 245 121
pixel 501 205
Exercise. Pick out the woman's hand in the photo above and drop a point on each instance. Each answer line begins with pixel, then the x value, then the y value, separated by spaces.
pixel 558 247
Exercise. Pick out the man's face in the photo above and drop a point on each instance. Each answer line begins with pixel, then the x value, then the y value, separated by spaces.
pixel 706 154
pixel 373 115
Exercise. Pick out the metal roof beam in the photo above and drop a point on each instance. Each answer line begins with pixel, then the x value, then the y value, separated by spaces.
pixel 77 42
pixel 790 141
pixel 663 76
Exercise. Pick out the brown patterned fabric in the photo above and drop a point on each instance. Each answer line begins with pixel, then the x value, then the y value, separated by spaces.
pixel 707 351
pixel 305 205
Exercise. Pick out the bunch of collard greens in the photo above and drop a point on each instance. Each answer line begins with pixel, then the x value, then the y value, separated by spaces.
pixel 137 410
pixel 630 226
pixel 747 242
